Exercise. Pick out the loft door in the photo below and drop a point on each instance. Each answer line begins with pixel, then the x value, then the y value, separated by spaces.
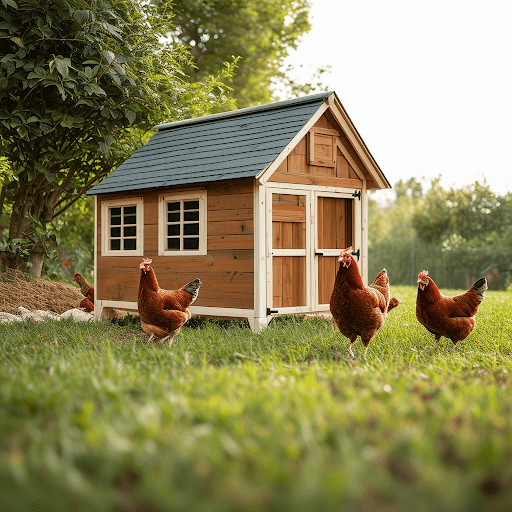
pixel 289 234
pixel 337 226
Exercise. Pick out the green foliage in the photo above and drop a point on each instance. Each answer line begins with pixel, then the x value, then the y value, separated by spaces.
pixel 80 85
pixel 94 419
pixel 456 234
pixel 261 32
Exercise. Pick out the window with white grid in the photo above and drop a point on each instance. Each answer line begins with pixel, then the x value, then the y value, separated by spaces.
pixel 182 223
pixel 122 222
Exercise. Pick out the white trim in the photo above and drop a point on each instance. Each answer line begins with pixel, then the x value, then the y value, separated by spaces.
pixel 195 310
pixel 364 234
pixel 266 173
pixel 288 252
pixel 138 202
pixel 199 195
pixel 95 254
pixel 260 258
pixel 316 188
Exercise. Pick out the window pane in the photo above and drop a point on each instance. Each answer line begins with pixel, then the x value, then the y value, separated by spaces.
pixel 191 216
pixel 115 245
pixel 173 230
pixel 115 232
pixel 191 243
pixel 173 217
pixel 130 231
pixel 115 216
pixel 130 244
pixel 191 229
pixel 173 244
pixel 130 219
pixel 172 207
pixel 191 205
pixel 130 210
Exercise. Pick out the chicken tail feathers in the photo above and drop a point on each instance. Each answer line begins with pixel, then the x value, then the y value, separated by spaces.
pixel 479 287
pixel 192 288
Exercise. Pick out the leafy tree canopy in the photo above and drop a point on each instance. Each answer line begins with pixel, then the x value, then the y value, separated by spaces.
pixel 81 83
pixel 261 32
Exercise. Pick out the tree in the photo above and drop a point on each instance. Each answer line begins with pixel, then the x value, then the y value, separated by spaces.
pixel 261 32
pixel 81 83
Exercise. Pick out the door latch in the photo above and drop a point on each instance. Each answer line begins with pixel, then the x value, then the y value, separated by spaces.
pixel 357 254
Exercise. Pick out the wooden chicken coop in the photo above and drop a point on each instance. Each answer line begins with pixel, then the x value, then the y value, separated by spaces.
pixel 255 202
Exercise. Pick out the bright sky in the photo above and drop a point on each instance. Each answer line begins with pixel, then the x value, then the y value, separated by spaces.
pixel 427 83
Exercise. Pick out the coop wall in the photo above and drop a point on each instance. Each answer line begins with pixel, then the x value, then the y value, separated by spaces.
pixel 227 270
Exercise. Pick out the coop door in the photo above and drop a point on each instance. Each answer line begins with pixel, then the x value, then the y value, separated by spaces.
pixel 290 251
pixel 338 226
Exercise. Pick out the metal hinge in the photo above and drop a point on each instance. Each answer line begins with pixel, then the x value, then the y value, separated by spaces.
pixel 357 194
pixel 357 254
pixel 270 311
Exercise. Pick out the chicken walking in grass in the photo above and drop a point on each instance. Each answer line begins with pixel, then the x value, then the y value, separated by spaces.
pixel 359 310
pixel 163 312
pixel 451 317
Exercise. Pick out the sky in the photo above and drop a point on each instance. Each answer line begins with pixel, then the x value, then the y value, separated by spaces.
pixel 427 83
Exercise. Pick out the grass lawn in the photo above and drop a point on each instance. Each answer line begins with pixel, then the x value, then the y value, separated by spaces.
pixel 91 418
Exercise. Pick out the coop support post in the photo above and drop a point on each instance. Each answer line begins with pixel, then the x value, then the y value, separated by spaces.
pixel 260 319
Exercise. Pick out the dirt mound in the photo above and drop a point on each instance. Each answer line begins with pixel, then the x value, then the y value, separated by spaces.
pixel 18 289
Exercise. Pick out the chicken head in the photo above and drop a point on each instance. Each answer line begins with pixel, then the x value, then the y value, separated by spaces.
pixel 423 279
pixel 144 264
pixel 345 257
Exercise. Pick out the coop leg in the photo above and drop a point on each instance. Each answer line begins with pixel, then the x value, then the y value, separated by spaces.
pixel 257 324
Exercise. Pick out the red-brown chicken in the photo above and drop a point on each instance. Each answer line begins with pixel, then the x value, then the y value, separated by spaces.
pixel 452 317
pixel 163 312
pixel 359 310
pixel 87 290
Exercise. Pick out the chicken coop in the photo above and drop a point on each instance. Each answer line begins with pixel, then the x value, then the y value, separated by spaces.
pixel 256 202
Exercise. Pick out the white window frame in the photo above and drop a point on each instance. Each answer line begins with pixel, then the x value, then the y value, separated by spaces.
pixel 199 195
pixel 138 202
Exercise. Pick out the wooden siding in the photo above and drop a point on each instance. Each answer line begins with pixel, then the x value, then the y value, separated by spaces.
pixel 318 160
pixel 227 271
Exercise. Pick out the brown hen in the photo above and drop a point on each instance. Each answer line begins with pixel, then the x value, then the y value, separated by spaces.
pixel 359 310
pixel 87 290
pixel 452 317
pixel 163 312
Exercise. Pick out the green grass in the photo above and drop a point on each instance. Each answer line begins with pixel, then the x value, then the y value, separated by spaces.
pixel 91 418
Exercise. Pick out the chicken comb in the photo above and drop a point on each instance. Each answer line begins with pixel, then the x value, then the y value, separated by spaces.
pixel 145 261
pixel 423 274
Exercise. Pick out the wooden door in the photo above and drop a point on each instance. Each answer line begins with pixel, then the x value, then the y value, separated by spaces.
pixel 337 227
pixel 290 248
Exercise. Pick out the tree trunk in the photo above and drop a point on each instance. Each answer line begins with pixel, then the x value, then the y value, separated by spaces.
pixel 32 200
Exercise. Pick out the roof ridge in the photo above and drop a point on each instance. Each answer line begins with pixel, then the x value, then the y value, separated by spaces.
pixel 246 110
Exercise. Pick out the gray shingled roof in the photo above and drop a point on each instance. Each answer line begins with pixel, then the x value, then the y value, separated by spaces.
pixel 231 145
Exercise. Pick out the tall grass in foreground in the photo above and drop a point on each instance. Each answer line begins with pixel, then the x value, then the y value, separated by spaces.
pixel 91 418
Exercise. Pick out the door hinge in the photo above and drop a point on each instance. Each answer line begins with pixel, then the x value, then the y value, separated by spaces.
pixel 270 311
pixel 357 194
pixel 357 254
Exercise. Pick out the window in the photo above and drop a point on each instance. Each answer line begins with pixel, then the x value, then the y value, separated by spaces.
pixel 122 222
pixel 182 224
